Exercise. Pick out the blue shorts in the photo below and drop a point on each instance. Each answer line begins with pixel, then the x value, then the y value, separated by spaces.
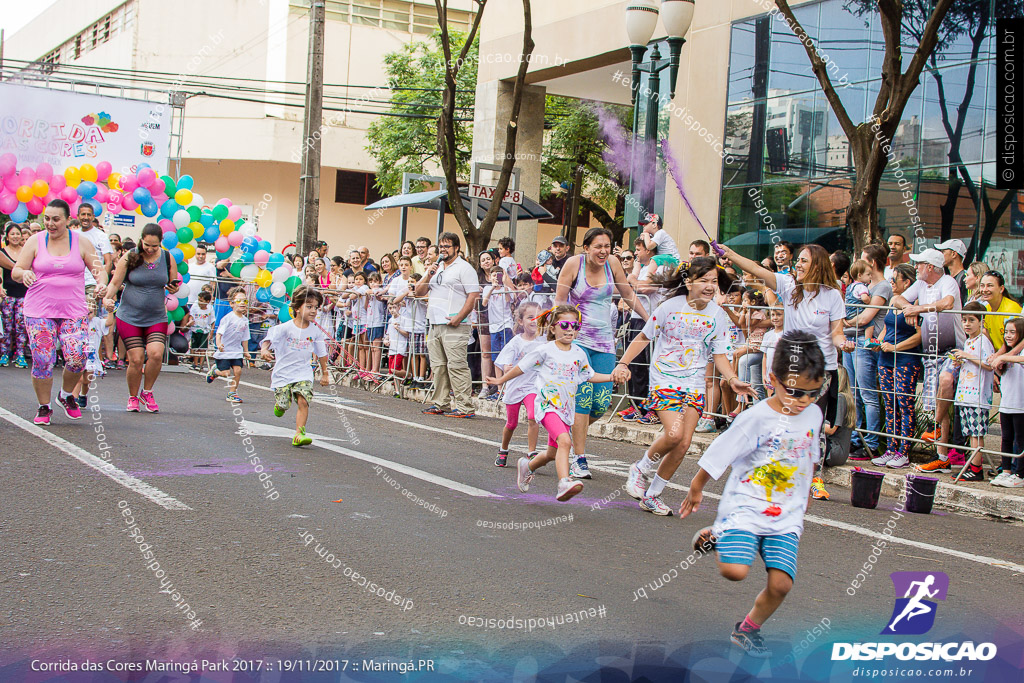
pixel 736 546
pixel 594 399
pixel 225 364
pixel 374 333
pixel 498 342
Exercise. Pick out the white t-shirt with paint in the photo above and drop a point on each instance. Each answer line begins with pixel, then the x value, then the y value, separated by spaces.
pixel 202 321
pixel 294 348
pixel 518 388
pixel 772 458
pixel 684 341
pixel 557 374
pixel 814 314
pixel 974 386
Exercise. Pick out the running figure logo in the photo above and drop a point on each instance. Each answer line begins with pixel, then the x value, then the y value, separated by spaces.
pixel 914 613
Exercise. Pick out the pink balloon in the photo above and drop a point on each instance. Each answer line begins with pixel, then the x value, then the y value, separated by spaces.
pixel 102 194
pixel 114 196
pixel 221 244
pixel 234 213
pixel 170 327
pixel 8 164
pixel 235 238
pixel 27 176
pixel 170 303
pixel 166 224
pixel 50 196
pixel 128 202
pixel 129 183
pixel 260 258
pixel 225 201
pixel 8 203
pixel 157 187
pixel 35 206
pixel 44 172
pixel 11 182
pixel 69 194
pixel 146 177
pixel 103 170
pixel 57 183
pixel 160 198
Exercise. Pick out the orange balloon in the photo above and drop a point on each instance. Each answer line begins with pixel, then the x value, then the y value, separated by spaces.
pixel 40 188
pixel 24 193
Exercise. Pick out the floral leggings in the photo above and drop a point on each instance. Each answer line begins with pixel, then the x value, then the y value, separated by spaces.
pixel 899 414
pixel 14 341
pixel 42 333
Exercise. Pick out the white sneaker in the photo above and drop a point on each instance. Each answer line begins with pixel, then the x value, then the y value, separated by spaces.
pixel 579 469
pixel 1000 479
pixel 654 504
pixel 705 425
pixel 1014 481
pixel 883 459
pixel 523 474
pixel 637 482
pixel 567 488
pixel 898 461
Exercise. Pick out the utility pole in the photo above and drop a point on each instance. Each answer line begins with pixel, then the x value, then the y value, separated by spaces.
pixel 309 178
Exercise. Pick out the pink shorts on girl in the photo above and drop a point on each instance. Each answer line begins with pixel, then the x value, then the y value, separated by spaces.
pixel 555 428
pixel 512 411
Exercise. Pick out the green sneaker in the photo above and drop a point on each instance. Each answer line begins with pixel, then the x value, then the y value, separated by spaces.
pixel 301 439
pixel 278 411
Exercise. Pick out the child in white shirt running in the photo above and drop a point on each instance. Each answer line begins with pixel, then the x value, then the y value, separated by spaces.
pixel 560 367
pixel 773 448
pixel 232 344
pixel 293 343
pixel 517 392
pixel 99 325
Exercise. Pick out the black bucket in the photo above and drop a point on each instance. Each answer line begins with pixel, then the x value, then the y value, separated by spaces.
pixel 866 488
pixel 920 493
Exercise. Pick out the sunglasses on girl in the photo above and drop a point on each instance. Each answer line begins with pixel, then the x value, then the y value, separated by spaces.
pixel 568 325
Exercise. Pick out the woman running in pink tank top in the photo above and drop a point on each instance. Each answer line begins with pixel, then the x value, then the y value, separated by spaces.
pixel 52 266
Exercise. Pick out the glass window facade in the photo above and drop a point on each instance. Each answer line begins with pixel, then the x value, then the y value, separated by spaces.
pixel 792 164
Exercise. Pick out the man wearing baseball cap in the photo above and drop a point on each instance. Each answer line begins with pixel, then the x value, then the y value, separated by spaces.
pixel 953 253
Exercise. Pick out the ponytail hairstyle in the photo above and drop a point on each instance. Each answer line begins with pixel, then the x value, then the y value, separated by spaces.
pixel 302 294
pixel 756 297
pixel 548 318
pixel 135 256
pixel 525 310
pixel 675 282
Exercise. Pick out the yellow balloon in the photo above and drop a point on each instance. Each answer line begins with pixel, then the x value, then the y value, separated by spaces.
pixel 114 181
pixel 227 226
pixel 88 172
pixel 264 278
pixel 197 229
pixel 72 176
pixel 138 210
pixel 187 250
pixel 183 197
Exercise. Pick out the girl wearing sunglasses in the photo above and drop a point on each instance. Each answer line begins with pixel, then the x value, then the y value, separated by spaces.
pixel 688 330
pixel 559 368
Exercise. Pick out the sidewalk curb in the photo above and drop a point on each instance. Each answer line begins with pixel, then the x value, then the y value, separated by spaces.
pixel 948 496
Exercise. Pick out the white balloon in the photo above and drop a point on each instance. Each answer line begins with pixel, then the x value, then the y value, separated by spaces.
pixel 278 289
pixel 181 218
pixel 281 274
pixel 249 272
pixel 247 230
pixel 183 291
pixel 197 200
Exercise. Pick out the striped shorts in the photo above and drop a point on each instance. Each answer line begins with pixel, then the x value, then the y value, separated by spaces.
pixel 736 546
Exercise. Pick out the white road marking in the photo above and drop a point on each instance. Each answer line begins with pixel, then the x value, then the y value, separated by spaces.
pixel 824 521
pixel 262 430
pixel 102 466
pixel 259 429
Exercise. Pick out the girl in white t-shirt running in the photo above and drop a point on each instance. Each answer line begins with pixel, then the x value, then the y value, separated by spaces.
pixel 518 392
pixel 558 368
pixel 688 330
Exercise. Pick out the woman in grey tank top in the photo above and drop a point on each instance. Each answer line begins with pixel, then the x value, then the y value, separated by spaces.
pixel 142 316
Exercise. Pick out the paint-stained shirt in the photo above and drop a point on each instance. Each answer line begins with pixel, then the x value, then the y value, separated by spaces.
pixel 772 456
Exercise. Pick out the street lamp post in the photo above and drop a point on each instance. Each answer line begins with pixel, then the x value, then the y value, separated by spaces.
pixel 641 21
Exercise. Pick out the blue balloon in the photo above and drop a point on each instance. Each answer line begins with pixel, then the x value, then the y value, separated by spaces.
pixel 284 314
pixel 169 240
pixel 141 195
pixel 183 301
pixel 20 213
pixel 149 209
pixel 206 218
pixel 185 182
pixel 263 294
pixel 178 254
pixel 278 301
pixel 211 234
pixel 168 208
pixel 275 261
pixel 245 257
pixel 226 254
pixel 97 208
pixel 186 277
pixel 250 245
pixel 266 246
pixel 86 189
pixel 141 166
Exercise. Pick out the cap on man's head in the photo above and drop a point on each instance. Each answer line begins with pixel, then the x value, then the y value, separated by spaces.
pixel 929 256
pixel 560 240
pixel 956 245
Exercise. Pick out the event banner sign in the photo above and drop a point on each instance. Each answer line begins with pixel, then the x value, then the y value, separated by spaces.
pixel 66 129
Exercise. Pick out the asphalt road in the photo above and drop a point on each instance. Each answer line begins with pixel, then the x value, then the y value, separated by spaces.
pixel 271 562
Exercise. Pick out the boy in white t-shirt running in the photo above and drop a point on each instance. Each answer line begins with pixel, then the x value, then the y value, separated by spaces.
pixel 232 342
pixel 773 448
pixel 293 343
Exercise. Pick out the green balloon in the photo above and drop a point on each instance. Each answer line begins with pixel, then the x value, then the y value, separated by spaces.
pixel 185 235
pixel 220 212
pixel 195 212
pixel 169 187
pixel 292 282
pixel 178 313
pixel 182 267
pixel 236 268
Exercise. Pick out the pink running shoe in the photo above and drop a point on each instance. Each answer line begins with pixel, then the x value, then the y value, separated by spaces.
pixel 70 406
pixel 149 401
pixel 133 404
